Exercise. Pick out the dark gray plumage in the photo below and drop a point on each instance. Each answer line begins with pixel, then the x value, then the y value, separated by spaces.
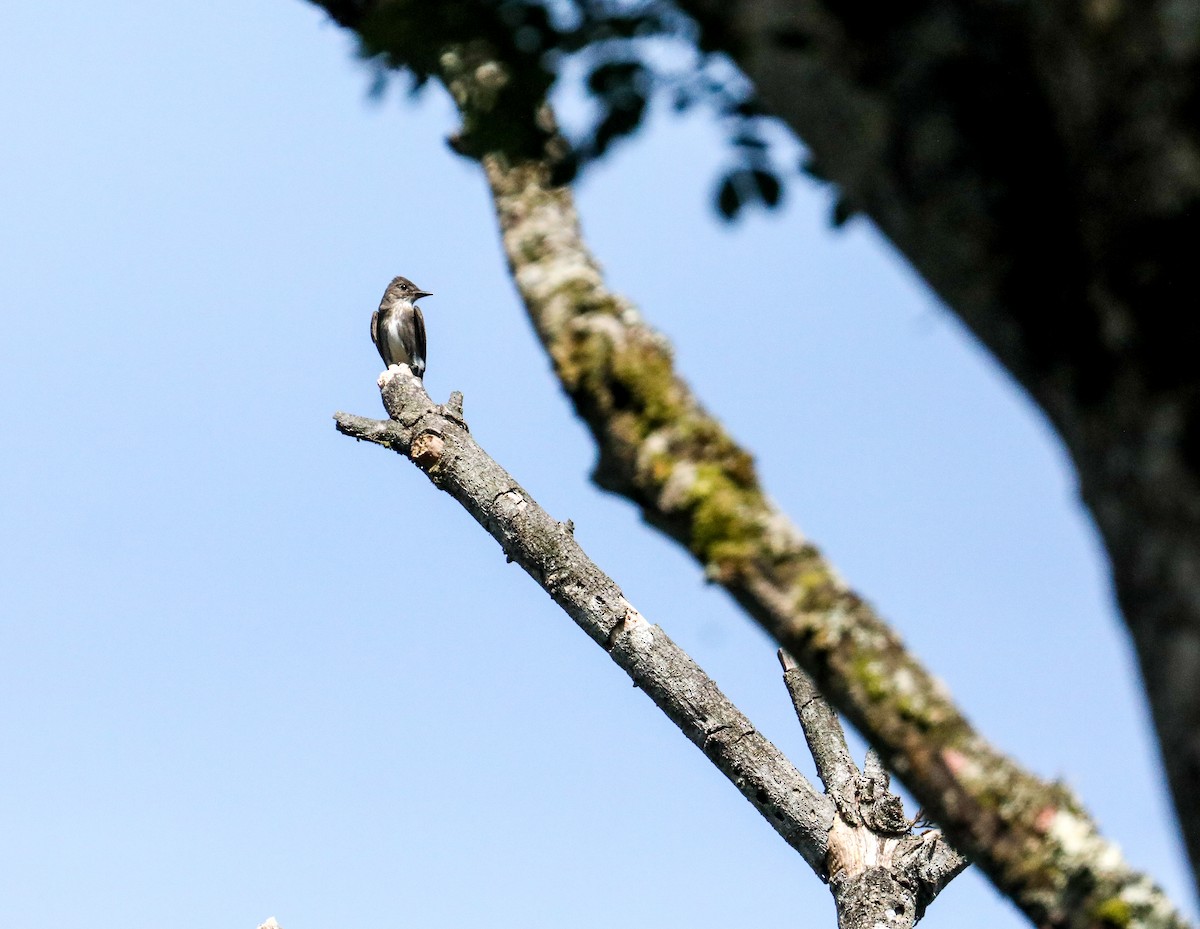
pixel 398 328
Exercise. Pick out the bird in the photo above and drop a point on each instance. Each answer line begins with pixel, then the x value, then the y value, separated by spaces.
pixel 398 328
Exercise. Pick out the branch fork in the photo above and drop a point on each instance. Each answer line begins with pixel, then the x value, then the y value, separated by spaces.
pixel 879 869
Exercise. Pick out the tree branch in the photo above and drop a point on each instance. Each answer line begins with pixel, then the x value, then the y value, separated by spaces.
pixel 824 734
pixel 880 873
pixel 436 439
pixel 661 449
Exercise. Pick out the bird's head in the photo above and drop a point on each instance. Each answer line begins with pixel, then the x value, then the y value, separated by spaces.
pixel 401 288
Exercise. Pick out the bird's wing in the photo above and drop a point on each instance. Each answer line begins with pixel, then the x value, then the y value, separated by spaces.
pixel 375 328
pixel 418 342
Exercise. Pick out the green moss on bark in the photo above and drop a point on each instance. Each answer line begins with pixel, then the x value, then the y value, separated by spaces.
pixel 725 534
pixel 1114 912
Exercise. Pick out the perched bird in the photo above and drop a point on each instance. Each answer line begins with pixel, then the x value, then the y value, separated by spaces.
pixel 398 328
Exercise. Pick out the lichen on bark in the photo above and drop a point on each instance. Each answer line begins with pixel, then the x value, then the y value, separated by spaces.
pixel 659 447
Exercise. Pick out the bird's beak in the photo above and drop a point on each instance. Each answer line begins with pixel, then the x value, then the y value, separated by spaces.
pixel 422 293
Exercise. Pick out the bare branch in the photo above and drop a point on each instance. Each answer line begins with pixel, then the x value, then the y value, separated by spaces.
pixel 880 874
pixel 436 439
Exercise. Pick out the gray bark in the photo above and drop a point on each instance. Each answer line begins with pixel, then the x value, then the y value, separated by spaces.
pixel 436 439
pixel 825 737
pixel 879 872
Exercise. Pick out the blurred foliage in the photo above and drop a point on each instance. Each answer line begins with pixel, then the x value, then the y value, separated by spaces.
pixel 632 55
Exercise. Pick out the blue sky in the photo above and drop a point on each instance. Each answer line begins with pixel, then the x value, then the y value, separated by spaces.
pixel 249 667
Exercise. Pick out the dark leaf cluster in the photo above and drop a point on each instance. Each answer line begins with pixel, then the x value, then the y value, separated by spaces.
pixel 631 52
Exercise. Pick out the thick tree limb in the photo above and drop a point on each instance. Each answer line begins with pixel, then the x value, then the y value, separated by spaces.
pixel 1039 164
pixel 661 449
pixel 437 441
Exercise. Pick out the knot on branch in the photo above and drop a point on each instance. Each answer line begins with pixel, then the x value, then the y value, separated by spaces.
pixel 427 450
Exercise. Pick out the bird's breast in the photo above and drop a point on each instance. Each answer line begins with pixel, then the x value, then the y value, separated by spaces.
pixel 397 342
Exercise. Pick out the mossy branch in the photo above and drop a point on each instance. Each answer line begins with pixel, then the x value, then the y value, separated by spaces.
pixel 661 449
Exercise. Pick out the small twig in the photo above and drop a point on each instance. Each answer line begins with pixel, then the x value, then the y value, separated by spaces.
pixel 824 734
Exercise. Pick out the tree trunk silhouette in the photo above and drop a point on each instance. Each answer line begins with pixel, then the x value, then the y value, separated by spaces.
pixel 1039 165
